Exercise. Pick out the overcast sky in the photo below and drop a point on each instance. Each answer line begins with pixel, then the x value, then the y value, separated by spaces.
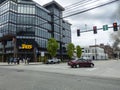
pixel 97 17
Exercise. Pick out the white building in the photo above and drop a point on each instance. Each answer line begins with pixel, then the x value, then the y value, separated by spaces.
pixel 94 53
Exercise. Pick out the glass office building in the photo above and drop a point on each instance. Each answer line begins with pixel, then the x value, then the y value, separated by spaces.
pixel 26 26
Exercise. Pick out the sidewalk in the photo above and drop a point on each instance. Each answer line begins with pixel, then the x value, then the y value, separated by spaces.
pixel 32 63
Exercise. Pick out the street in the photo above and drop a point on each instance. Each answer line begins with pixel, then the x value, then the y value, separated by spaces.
pixel 14 79
pixel 108 68
pixel 37 76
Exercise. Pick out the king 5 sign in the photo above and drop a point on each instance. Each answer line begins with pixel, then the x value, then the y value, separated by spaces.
pixel 26 46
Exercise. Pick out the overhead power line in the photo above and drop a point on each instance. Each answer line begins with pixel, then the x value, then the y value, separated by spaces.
pixel 77 8
pixel 83 11
pixel 91 8
pixel 75 4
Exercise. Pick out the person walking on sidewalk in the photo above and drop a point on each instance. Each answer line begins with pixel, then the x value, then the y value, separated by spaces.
pixel 8 60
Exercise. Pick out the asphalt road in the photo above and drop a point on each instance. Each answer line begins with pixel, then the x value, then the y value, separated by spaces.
pixel 108 68
pixel 20 79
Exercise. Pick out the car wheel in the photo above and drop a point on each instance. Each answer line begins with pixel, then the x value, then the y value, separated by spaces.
pixel 92 65
pixel 77 66
pixel 52 62
pixel 58 62
pixel 72 66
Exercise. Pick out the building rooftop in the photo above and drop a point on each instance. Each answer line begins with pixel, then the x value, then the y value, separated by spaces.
pixel 24 0
pixel 1 1
pixel 54 3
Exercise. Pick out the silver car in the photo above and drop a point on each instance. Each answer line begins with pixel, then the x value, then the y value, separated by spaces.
pixel 53 61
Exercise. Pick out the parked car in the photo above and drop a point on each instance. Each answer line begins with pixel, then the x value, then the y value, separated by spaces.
pixel 81 63
pixel 53 61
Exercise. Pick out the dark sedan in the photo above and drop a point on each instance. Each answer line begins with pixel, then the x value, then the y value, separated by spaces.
pixel 81 63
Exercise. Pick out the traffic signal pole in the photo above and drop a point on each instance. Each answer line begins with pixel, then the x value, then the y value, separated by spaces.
pixel 95 50
pixel 97 29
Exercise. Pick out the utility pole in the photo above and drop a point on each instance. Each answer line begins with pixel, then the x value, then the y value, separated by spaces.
pixel 95 50
pixel 86 27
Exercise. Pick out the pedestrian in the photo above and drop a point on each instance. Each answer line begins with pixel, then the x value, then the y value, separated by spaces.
pixel 18 61
pixel 28 60
pixel 11 60
pixel 25 60
pixel 15 60
pixel 8 60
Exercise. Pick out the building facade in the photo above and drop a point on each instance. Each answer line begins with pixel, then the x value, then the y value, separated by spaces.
pixel 94 53
pixel 108 49
pixel 26 26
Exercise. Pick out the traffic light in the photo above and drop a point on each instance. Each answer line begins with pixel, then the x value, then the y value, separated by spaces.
pixel 115 26
pixel 78 32
pixel 95 29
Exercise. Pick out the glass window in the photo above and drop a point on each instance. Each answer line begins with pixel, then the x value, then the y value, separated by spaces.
pixel 13 6
pixel 26 19
pixel 26 9
pixel 56 12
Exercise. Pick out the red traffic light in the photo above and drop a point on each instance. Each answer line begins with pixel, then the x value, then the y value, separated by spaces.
pixel 115 26
pixel 94 29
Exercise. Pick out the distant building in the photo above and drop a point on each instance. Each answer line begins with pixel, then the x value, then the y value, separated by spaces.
pixel 26 26
pixel 94 53
pixel 108 49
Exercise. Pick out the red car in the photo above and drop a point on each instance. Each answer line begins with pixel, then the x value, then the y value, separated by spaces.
pixel 81 63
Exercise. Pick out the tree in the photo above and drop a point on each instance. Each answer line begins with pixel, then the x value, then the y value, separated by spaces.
pixel 70 49
pixel 52 47
pixel 78 51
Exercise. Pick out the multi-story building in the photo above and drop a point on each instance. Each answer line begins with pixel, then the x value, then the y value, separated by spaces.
pixel 26 26
pixel 108 49
pixel 94 53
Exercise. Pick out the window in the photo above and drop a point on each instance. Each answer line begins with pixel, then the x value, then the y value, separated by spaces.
pixel 26 9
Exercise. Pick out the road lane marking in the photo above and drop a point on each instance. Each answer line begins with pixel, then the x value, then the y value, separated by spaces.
pixel 91 69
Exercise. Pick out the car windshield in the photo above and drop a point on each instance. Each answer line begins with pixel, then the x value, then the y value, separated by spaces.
pixel 82 59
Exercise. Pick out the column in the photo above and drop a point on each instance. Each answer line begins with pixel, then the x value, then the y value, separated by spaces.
pixel 4 51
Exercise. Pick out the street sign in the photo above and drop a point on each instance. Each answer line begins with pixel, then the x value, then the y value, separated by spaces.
pixel 105 27
pixel 42 54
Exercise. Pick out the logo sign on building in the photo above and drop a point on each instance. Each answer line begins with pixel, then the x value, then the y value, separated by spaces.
pixel 26 46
